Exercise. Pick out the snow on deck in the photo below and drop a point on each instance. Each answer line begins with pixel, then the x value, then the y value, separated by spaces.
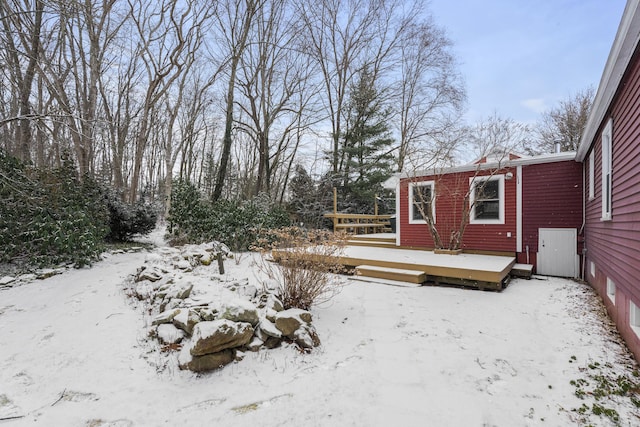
pixel 486 268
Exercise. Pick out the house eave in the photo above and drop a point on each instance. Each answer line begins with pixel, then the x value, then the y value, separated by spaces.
pixel 544 158
pixel 624 45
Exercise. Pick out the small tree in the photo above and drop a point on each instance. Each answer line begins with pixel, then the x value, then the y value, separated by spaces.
pixel 495 140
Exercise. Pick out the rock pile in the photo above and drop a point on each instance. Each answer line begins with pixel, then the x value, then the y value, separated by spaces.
pixel 212 319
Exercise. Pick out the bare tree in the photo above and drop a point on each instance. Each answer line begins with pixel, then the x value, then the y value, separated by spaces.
pixel 338 35
pixel 564 123
pixel 235 18
pixel 168 38
pixel 430 94
pixel 22 26
pixel 272 76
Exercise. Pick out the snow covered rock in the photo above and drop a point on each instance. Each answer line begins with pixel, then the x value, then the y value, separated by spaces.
pixel 288 321
pixel 306 337
pixel 7 280
pixel 239 310
pixel 176 290
pixel 169 334
pixel 183 264
pixel 152 274
pixel 269 329
pixel 218 335
pixel 186 320
pixel 165 317
pixel 207 362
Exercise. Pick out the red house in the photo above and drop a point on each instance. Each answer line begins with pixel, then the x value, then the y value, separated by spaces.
pixel 610 153
pixel 526 207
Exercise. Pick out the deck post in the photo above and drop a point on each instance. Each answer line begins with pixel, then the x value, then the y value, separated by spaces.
pixel 375 204
pixel 335 208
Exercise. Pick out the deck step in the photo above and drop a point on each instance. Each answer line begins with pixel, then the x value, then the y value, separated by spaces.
pixel 522 270
pixel 398 274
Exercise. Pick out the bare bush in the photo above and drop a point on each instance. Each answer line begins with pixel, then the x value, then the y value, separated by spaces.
pixel 301 264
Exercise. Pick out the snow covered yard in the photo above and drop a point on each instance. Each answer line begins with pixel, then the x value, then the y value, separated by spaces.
pixel 74 352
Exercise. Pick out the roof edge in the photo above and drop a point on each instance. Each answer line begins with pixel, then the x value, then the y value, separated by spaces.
pixel 535 160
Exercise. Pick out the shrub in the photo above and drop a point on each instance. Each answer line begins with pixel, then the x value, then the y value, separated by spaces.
pixel 49 217
pixel 126 220
pixel 306 261
pixel 237 224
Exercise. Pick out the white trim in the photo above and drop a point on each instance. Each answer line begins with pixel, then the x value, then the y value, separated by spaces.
pixel 634 318
pixel 611 290
pixel 592 175
pixel 624 45
pixel 536 160
pixel 519 209
pixel 412 185
pixel 607 170
pixel 500 179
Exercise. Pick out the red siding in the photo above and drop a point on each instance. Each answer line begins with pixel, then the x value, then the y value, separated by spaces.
pixel 614 246
pixel 450 190
pixel 552 198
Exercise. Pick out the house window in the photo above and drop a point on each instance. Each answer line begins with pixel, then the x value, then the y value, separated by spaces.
pixel 487 200
pixel 421 202
pixel 634 318
pixel 611 290
pixel 606 170
pixel 592 175
pixel 592 269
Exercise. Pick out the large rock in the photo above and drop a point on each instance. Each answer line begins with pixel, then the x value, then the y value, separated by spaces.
pixel 289 321
pixel 207 362
pixel 186 320
pixel 306 337
pixel 165 317
pixel 152 274
pixel 215 336
pixel 269 329
pixel 239 310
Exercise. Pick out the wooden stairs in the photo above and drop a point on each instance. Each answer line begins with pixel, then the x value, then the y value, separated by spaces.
pixel 388 273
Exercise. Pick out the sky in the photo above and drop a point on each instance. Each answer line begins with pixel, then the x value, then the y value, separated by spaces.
pixel 520 58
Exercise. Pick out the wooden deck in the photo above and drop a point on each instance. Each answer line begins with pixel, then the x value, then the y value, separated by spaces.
pixel 480 271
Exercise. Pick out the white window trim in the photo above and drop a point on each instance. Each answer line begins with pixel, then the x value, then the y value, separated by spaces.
pixel 611 290
pixel 412 185
pixel 634 318
pixel 472 181
pixel 607 170
pixel 592 175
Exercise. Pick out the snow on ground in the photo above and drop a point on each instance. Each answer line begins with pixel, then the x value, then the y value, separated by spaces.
pixel 74 352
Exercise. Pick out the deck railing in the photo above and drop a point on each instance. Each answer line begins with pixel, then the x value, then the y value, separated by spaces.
pixel 360 223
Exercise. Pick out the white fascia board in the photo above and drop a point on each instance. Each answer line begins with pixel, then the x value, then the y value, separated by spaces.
pixel 535 160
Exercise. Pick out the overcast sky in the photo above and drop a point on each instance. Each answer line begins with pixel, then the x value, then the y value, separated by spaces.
pixel 521 57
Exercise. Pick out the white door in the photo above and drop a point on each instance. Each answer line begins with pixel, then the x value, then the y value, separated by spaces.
pixel 557 252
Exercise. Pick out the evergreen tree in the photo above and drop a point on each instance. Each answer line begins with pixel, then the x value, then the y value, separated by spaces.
pixel 367 157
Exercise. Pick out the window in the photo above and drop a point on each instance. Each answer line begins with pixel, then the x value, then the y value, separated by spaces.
pixel 421 199
pixel 634 318
pixel 592 268
pixel 592 174
pixel 606 170
pixel 487 200
pixel 611 290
